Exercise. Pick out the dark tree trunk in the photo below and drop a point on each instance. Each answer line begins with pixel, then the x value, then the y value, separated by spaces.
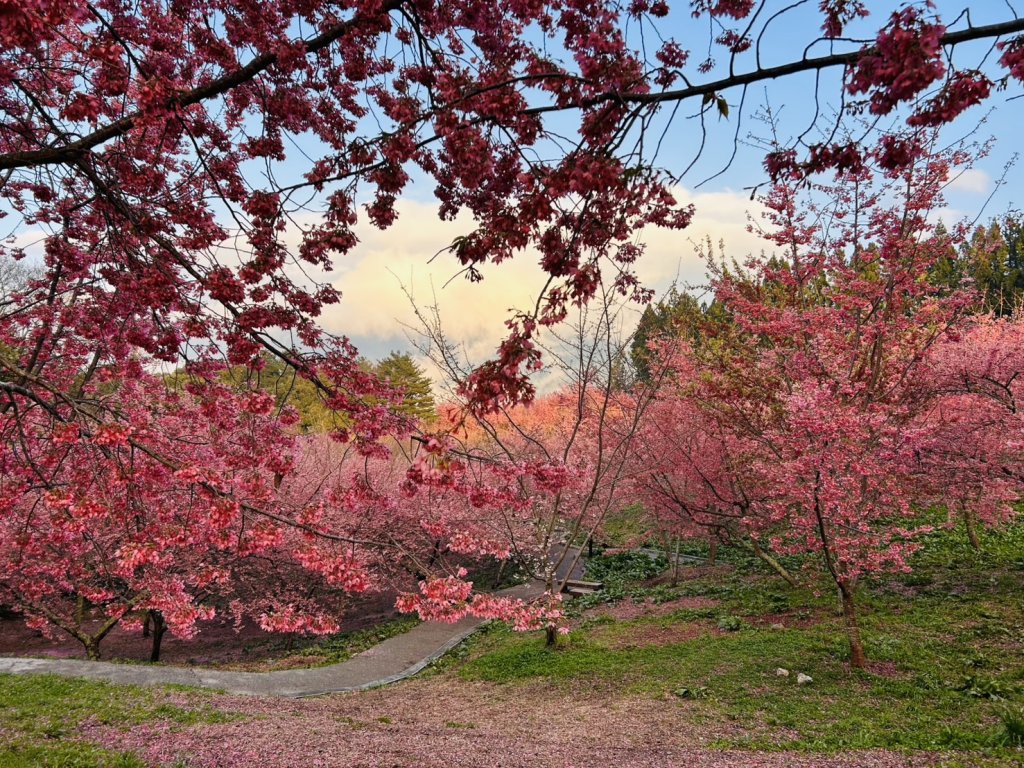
pixel 80 611
pixel 857 657
pixel 159 627
pixel 92 648
pixel 550 635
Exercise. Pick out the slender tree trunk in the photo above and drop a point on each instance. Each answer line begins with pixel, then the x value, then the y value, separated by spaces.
pixel 159 627
pixel 857 657
pixel 434 554
pixel 972 530
pixel 675 565
pixel 772 563
pixel 80 611
pixel 712 549
pixel 147 620
pixel 501 573
pixel 550 635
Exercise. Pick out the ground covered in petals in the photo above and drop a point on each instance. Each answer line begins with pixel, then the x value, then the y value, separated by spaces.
pixel 219 642
pixel 448 722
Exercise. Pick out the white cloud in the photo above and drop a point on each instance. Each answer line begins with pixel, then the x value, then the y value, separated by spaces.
pixel 972 181
pixel 31 242
pixel 722 217
pixel 374 308
pixel 947 216
pixel 374 276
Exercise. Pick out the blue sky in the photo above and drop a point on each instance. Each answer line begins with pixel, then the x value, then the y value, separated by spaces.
pixel 375 308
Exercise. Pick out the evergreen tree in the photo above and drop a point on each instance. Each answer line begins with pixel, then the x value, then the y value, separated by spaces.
pixel 401 371
pixel 992 260
pixel 678 314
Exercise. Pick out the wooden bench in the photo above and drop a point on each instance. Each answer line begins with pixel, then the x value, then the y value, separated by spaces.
pixel 577 587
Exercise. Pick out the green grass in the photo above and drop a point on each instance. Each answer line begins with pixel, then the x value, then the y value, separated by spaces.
pixel 628 527
pixel 40 715
pixel 944 644
pixel 63 755
pixel 623 568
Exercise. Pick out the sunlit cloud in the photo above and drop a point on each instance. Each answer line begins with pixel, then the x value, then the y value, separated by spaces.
pixel 388 267
pixel 947 216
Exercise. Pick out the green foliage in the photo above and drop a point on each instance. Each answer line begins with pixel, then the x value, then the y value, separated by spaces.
pixel 402 373
pixel 730 623
pixel 627 527
pixel 1013 726
pixel 622 575
pixel 678 314
pixel 292 390
pixel 993 260
pixel 750 590
pixel 607 596
pixel 281 381
pixel 948 550
pixel 624 568
pixel 20 754
pixel 986 688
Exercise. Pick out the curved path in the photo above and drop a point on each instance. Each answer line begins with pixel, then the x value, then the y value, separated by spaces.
pixel 394 659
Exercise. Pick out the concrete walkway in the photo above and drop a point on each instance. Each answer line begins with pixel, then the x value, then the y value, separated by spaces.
pixel 394 659
pixel 654 554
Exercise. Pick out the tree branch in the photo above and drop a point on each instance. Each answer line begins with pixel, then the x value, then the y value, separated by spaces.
pixel 213 89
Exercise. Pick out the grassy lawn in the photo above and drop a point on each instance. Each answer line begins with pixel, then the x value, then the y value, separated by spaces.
pixel 946 670
pixel 40 716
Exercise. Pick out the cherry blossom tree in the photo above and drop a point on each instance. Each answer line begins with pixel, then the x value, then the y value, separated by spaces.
pixel 974 427
pixel 692 471
pixel 135 515
pixel 434 518
pixel 137 138
pixel 820 426
pixel 570 451
pixel 251 521
pixel 185 174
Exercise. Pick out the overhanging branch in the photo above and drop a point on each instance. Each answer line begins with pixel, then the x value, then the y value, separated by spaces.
pixel 218 87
